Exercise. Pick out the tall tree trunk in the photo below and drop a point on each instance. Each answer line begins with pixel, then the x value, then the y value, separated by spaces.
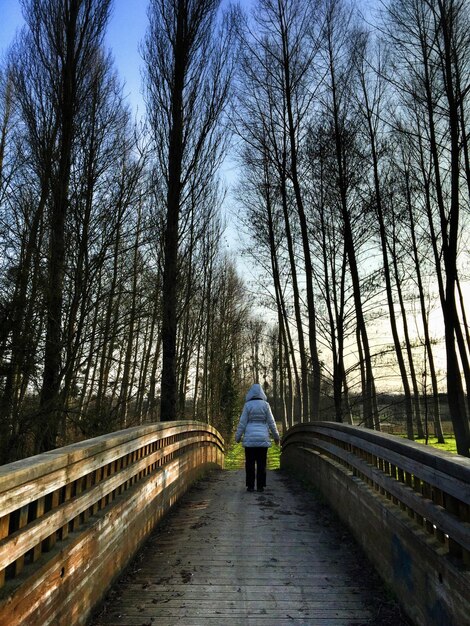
pixel 450 234
pixel 278 290
pixel 127 377
pixel 406 334
pixel 311 404
pixel 302 391
pixel 5 125
pixel 424 314
pixel 168 409
pixel 370 113
pixel 50 416
pixel 369 399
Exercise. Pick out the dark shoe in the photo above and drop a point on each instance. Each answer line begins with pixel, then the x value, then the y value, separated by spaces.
pixel 261 489
pixel 250 489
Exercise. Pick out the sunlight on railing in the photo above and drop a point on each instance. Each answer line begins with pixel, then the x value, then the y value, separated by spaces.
pixel 51 503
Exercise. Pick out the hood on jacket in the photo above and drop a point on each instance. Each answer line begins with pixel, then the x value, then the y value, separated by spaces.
pixel 255 393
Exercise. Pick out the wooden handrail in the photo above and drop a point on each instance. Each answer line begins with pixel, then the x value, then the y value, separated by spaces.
pixel 431 486
pixel 47 499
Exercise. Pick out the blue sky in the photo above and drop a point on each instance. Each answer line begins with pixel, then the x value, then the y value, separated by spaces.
pixel 125 30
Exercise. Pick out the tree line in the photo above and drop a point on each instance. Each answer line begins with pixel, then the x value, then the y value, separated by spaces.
pixel 118 304
pixel 116 292
pixel 354 149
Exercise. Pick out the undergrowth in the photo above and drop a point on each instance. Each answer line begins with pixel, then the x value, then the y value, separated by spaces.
pixel 449 445
pixel 235 457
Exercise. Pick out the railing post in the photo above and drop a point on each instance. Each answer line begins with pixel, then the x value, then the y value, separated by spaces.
pixel 45 497
pixel 422 518
pixel 4 525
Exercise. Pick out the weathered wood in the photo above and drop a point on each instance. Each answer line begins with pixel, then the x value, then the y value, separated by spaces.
pixel 448 472
pixel 403 492
pixel 242 620
pixel 4 524
pixel 421 467
pixel 22 521
pixel 109 517
pixel 19 542
pixel 37 550
pixel 454 485
pixel 423 564
pixel 226 556
pixel 42 474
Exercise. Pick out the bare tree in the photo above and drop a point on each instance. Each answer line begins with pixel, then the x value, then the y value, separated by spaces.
pixel 371 105
pixel 331 272
pixel 338 60
pixel 431 50
pixel 63 39
pixel 275 92
pixel 188 70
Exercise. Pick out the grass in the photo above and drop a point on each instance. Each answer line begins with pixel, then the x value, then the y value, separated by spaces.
pixel 235 457
pixel 449 445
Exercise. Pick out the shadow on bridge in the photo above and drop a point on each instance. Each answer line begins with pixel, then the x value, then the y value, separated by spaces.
pixel 225 556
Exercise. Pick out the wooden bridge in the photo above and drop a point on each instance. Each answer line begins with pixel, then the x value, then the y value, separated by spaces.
pixel 72 519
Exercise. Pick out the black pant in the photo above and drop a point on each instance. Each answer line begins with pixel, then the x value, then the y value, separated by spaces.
pixel 255 456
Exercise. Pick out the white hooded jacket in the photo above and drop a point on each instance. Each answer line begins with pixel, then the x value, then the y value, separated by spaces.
pixel 256 420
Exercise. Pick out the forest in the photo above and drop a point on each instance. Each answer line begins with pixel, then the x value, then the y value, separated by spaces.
pixel 119 303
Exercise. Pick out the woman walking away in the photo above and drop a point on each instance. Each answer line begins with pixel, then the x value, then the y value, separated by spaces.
pixel 255 423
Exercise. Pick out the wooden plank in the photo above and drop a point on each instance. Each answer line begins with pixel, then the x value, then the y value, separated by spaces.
pixel 37 551
pixel 49 534
pixel 16 496
pixel 67 496
pixel 22 521
pixel 251 621
pixel 18 543
pixel 25 470
pixel 207 605
pixel 73 579
pixel 75 520
pixel 448 524
pixel 440 468
pixel 4 526
pixel 338 589
pixel 88 485
pixel 228 556
pixel 239 611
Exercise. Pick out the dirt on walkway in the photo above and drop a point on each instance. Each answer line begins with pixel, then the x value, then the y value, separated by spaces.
pixel 225 556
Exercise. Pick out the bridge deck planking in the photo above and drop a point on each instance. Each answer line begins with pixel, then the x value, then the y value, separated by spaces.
pixel 228 556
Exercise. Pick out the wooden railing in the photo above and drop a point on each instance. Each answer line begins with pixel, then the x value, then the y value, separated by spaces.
pixel 407 504
pixel 70 519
